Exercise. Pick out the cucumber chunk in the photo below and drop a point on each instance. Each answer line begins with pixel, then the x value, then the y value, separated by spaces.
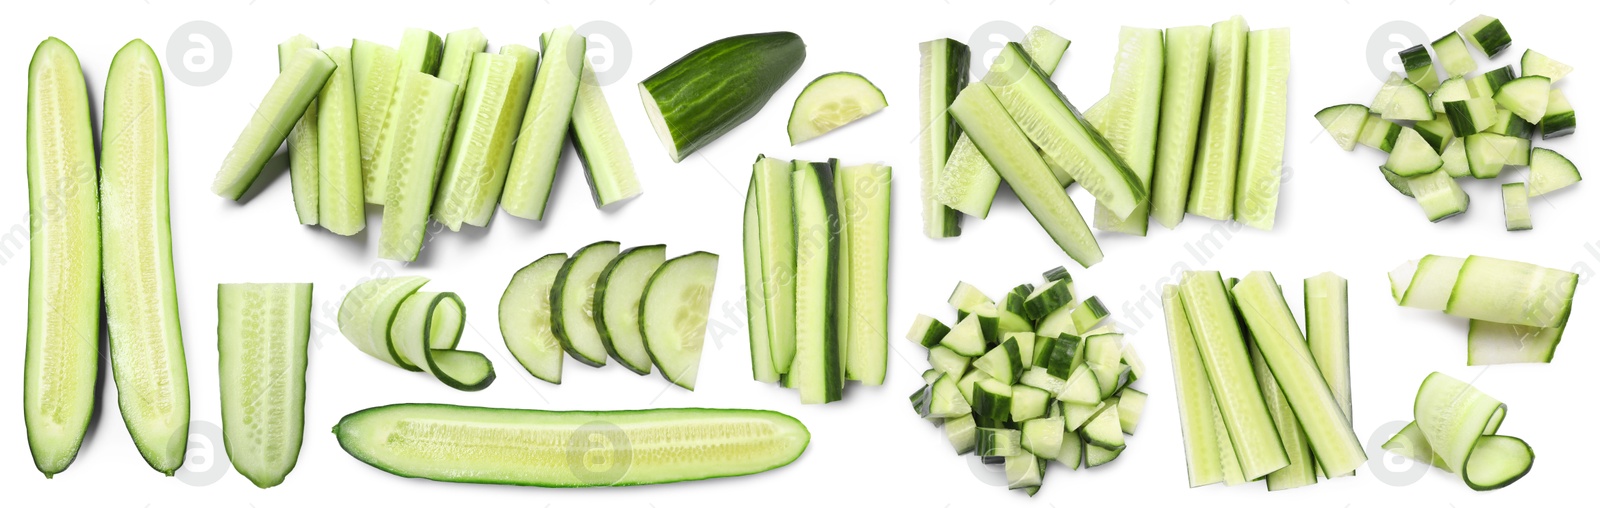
pixel 1549 171
pixel 1412 155
pixel 413 159
pixel 1216 162
pixel 340 196
pixel 1438 194
pixel 616 304
pixel 1379 133
pixel 1182 98
pixel 943 75
pixel 1514 197
pixel 1527 96
pixel 831 101
pixel 1453 55
pixel 1400 99
pixel 1487 34
pixel 673 312
pixel 1488 153
pixel 1559 119
pixel 606 164
pixel 303 145
pixel 262 334
pixel 544 126
pixel 1419 68
pixel 1344 123
pixel 1470 116
pixel 572 302
pixel 285 103
pixel 1453 89
pixel 525 319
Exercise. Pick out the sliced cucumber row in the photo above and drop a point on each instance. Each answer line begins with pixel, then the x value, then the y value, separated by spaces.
pixel 391 320
pixel 1518 310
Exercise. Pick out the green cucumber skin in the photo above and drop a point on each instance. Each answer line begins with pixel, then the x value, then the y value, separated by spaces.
pixel 697 110
pixel 600 297
pixel 235 360
pixel 348 426
pixel 556 304
pixel 942 221
pixel 141 299
pixel 832 384
pixel 303 144
pixel 63 205
pixel 1217 158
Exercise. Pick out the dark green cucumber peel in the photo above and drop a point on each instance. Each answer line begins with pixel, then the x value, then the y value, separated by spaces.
pixel 706 93
pixel 557 305
pixel 600 291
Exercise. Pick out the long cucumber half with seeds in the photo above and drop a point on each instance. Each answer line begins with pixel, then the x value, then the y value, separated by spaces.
pixel 413 159
pixel 141 292
pixel 1266 111
pixel 673 314
pixel 570 448
pixel 341 204
pixel 706 93
pixel 525 318
pixel 1216 331
pixel 303 143
pixel 944 74
pixel 477 140
pixel 1183 92
pixel 1217 159
pixel 544 125
pixel 606 163
pixel 572 302
pixel 262 334
pixel 63 352
pixel 616 304
pixel 286 102
pixel 1129 117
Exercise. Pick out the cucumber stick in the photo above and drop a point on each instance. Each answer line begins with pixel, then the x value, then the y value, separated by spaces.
pixel 544 125
pixel 375 68
pixel 413 158
pixel 141 294
pixel 1227 364
pixel 1217 159
pixel 864 268
pixel 1197 411
pixel 773 183
pixel 497 159
pixel 572 302
pixel 262 334
pixel 63 351
pixel 1129 117
pixel 303 142
pixel 944 74
pixel 706 93
pixel 1266 111
pixel 1327 304
pixel 1302 469
pixel 340 200
pixel 285 103
pixel 1183 90
pixel 673 314
pixel 616 304
pixel 816 368
pixel 606 163
pixel 572 448
pixel 420 51
pixel 755 290
pixel 477 142
pixel 525 318
pixel 456 58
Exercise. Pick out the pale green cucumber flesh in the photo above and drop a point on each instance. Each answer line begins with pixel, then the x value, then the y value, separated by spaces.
pixel 285 103
pixel 303 143
pixel 414 156
pixel 774 197
pixel 420 52
pixel 616 304
pixel 263 331
pixel 376 68
pixel 499 158
pixel 673 314
pixel 606 163
pixel 426 329
pixel 943 75
pixel 367 310
pixel 457 58
pixel 816 368
pixel 340 196
pixel 761 367
pixel 1182 100
pixel 1217 157
pixel 544 125
pixel 1266 110
pixel 1227 363
pixel 1512 292
pixel 831 101
pixel 1196 408
pixel 477 139
pixel 1129 118
pixel 525 318
pixel 864 207
pixel 572 302
pixel 1327 304
pixel 1490 343
pixel 1514 197
pixel 1302 468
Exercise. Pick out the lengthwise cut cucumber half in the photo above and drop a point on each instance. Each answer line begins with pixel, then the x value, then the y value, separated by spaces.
pixel 616 304
pixel 831 101
pixel 141 293
pixel 698 98
pixel 525 318
pixel 262 334
pixel 572 302
pixel 286 102
pixel 63 351
pixel 570 448
pixel 673 313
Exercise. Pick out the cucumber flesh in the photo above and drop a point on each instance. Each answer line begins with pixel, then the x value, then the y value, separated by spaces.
pixel 478 142
pixel 1453 55
pixel 263 331
pixel 1536 64
pixel 367 310
pixel 544 126
pixel 1431 283
pixel 572 302
pixel 943 75
pixel 1302 468
pixel 458 55
pixel 420 52
pixel 1549 171
pixel 1227 363
pixel 1527 96
pixel 141 293
pixel 413 158
pixel 1412 155
pixel 616 304
pixel 1379 133
pixel 498 159
pixel 1487 34
pixel 1453 89
pixel 1438 194
pixel 831 101
pixel 1400 99
pixel 376 67
pixel 63 352
pixel 303 145
pixel 1327 305
pixel 1266 111
pixel 755 291
pixel 864 210
pixel 1343 123
pixel 817 366
pixel 673 313
pixel 285 103
pixel 774 183
pixel 1512 292
pixel 715 88
pixel 426 328
pixel 1514 198
pixel 340 199
pixel 525 318
pixel 1216 162
pixel 1129 118
pixel 1196 407
pixel 1559 119
pixel 1182 99
pixel 1459 423
pixel 606 163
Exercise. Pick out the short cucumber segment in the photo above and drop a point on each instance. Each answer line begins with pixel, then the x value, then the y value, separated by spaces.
pixel 285 103
pixel 303 143
pixel 1514 197
pixel 262 334
pixel 831 101
pixel 525 318
pixel 606 163
pixel 673 314
pixel 616 304
pixel 570 449
pixel 544 125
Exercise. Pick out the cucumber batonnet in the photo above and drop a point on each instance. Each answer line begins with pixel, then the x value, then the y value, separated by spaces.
pixel 544 126
pixel 285 103
pixel 303 142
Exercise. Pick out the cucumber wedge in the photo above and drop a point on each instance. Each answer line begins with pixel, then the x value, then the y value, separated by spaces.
pixel 1227 363
pixel 1183 90
pixel 1266 112
pixel 340 198
pixel 572 302
pixel 262 334
pixel 376 67
pixel 1217 159
pixel 525 318
pixel 1453 55
pixel 1344 123
pixel 864 211
pixel 606 163
pixel 831 101
pixel 755 291
pixel 673 313
pixel 420 52
pixel 303 143
pixel 817 367
pixel 544 126
pixel 943 75
pixel 1129 116
pixel 706 93
pixel 286 102
pixel 478 143
pixel 63 352
pixel 498 159
pixel 413 158
pixel 774 196
pixel 570 449
pixel 1196 407
pixel 616 304
pixel 1527 97
pixel 141 292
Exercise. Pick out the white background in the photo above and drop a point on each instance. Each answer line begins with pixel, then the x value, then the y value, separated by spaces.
pixel 1337 214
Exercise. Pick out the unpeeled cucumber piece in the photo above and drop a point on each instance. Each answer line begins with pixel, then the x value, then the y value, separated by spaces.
pixel 572 302
pixel 606 163
pixel 831 101
pixel 570 449
pixel 1129 116
pixel 303 158
pixel 420 51
pixel 525 318
pixel 673 314
pixel 62 358
pixel 544 126
pixel 413 156
pixel 1212 187
pixel 706 93
pixel 943 75
pixel 340 198
pixel 285 103
pixel 141 293
pixel 616 304
pixel 1182 98
pixel 477 139
pixel 262 334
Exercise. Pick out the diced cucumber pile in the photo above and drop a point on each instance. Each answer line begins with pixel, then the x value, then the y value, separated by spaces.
pixel 439 129
pixel 1255 395
pixel 1035 377
pixel 816 260
pixel 391 320
pixel 1518 311
pixel 1436 131
pixel 634 305
pixel 1457 429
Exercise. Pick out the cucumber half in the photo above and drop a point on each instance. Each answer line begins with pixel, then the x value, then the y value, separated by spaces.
pixel 570 448
pixel 525 318
pixel 262 334
pixel 616 304
pixel 572 302
pixel 831 101
pixel 673 313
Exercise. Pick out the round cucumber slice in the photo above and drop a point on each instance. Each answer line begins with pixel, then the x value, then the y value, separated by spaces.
pixel 673 312
pixel 616 304
pixel 525 318
pixel 831 101
pixel 572 302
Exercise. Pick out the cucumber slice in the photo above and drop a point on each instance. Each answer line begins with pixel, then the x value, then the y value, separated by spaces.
pixel 478 144
pixel 1490 343
pixel 773 186
pixel 1536 64
pixel 340 196
pixel 1559 119
pixel 1129 116
pixel 1302 468
pixel 1182 97
pixel 376 67
pixel 1471 116
pixel 525 318
pixel 1266 112
pixel 1412 155
pixel 673 312
pixel 544 126
pixel 572 298
pixel 1379 133
pixel 1344 123
pixel 498 158
pixel 262 334
pixel 1217 160
pixel 761 367
pixel 1432 282
pixel 864 209
pixel 1549 171
pixel 943 75
pixel 285 103
pixel 1453 55
pixel 1487 34
pixel 570 448
pixel 420 52
pixel 141 293
pixel 1512 292
pixel 1458 422
pixel 1005 145
pixel 831 101
pixel 367 311
pixel 1527 96
pixel 1400 99
pixel 426 328
pixel 303 157
pixel 606 163
pixel 63 352
pixel 1105 429
pixel 616 304
pixel 413 158
pixel 817 362
pixel 706 93
pixel 1514 197
pixel 1453 89
pixel 1419 69
pixel 1438 194
pixel 1227 364
pixel 1488 153
pixel 457 57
